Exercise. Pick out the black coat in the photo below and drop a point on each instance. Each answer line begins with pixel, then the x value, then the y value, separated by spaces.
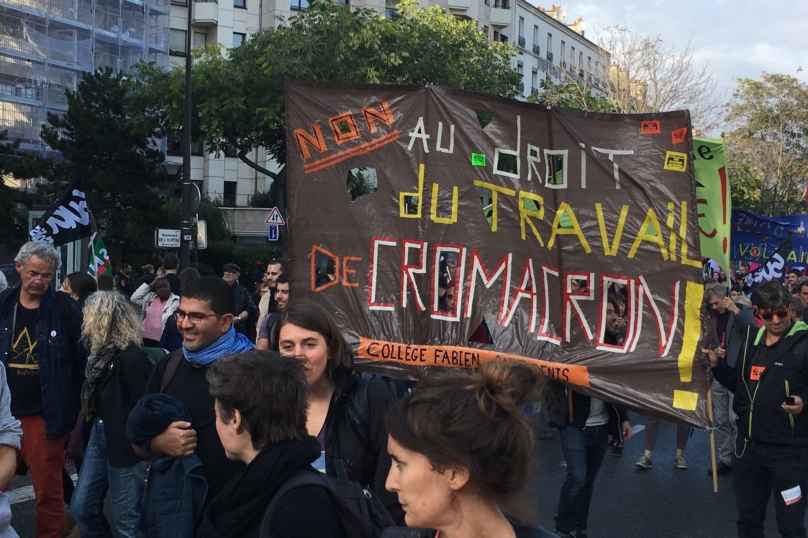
pixel 785 374
pixel 120 387
pixel 244 303
pixel 366 460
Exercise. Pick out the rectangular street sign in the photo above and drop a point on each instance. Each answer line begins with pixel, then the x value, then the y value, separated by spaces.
pixel 167 238
pixel 273 234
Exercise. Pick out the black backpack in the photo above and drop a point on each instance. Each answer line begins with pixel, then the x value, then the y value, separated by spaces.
pixel 360 513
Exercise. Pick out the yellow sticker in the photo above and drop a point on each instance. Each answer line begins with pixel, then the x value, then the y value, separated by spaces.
pixel 676 161
pixel 686 400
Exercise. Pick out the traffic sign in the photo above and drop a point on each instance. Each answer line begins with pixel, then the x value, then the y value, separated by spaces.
pixel 273 234
pixel 167 238
pixel 275 217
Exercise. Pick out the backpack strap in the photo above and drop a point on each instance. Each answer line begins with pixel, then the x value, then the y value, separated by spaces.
pixel 172 365
pixel 359 410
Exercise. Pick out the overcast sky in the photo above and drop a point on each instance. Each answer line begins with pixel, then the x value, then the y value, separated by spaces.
pixel 740 38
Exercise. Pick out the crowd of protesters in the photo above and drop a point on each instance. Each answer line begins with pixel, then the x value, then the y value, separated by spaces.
pixel 203 410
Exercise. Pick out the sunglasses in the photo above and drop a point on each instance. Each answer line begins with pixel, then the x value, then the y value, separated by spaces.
pixel 767 316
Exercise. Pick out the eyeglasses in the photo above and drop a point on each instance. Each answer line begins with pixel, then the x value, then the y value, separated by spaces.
pixel 195 317
pixel 767 316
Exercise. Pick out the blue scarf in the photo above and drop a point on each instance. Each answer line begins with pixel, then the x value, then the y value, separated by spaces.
pixel 229 342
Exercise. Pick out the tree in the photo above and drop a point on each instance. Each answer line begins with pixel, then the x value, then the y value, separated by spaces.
pixel 19 165
pixel 767 143
pixel 644 75
pixel 571 94
pixel 239 100
pixel 115 156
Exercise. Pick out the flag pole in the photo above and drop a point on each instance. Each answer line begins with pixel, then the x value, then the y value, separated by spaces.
pixel 712 439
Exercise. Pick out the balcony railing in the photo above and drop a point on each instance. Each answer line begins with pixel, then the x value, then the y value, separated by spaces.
pixel 534 91
pixel 549 56
pixel 536 50
pixel 521 42
pixel 521 87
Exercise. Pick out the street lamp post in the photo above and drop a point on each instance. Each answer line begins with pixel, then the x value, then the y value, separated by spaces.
pixel 185 243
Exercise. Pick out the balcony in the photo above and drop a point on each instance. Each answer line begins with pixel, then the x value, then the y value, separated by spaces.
pixel 534 91
pixel 205 13
pixel 536 50
pixel 521 42
pixel 460 5
pixel 501 14
pixel 550 57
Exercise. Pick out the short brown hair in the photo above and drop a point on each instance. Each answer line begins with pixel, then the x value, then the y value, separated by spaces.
pixel 473 420
pixel 313 317
pixel 269 391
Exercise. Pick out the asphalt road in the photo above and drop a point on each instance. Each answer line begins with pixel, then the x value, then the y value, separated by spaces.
pixel 662 502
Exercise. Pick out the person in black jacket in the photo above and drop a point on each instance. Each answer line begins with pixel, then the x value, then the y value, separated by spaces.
pixel 244 313
pixel 346 409
pixel 461 450
pixel 261 405
pixel 117 372
pixel 584 424
pixel 770 377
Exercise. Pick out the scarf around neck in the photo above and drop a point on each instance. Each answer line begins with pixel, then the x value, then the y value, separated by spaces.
pixel 229 342
pixel 95 367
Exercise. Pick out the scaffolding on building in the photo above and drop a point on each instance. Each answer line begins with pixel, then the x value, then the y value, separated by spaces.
pixel 47 45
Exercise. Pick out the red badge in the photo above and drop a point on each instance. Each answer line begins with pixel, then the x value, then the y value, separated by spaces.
pixel 679 135
pixel 650 127
pixel 756 372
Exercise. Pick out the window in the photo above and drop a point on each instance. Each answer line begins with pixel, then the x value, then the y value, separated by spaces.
pixel 300 5
pixel 535 35
pixel 496 35
pixel 562 52
pixel 589 63
pixel 520 67
pixel 179 2
pixel 521 26
pixel 199 39
pixel 238 39
pixel 572 57
pixel 503 38
pixel 580 60
pixel 549 43
pixel 175 146
pixel 240 3
pixel 176 43
pixel 485 31
pixel 230 193
pixel 533 80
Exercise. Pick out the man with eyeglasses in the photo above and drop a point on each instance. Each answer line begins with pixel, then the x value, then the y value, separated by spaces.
pixel 770 383
pixel 40 341
pixel 730 322
pixel 205 320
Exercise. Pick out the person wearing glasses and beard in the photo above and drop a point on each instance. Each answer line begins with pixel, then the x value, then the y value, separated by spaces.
pixel 770 383
pixel 205 320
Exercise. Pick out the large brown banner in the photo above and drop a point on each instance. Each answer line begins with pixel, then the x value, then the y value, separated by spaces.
pixel 519 201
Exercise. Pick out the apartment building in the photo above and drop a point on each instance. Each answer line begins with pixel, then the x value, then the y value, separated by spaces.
pixel 45 46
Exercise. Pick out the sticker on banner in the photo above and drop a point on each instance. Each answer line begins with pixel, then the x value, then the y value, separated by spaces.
pixel 791 496
pixel 477 159
pixel 675 161
pixel 650 127
pixel 53 333
pixel 679 135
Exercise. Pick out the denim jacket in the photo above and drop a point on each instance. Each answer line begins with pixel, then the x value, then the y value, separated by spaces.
pixel 61 355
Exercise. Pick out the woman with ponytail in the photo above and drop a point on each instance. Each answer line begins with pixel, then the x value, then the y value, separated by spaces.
pixel 461 450
pixel 117 372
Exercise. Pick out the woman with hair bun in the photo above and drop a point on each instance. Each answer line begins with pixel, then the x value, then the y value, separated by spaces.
pixel 461 448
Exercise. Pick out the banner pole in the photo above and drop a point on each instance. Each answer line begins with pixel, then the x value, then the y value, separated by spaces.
pixel 712 439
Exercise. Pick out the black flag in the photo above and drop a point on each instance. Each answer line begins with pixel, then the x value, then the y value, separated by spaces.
pixel 67 220
pixel 771 270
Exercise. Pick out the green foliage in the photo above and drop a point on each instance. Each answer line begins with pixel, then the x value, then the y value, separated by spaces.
pixel 116 159
pixel 262 199
pixel 572 94
pixel 22 165
pixel 239 99
pixel 768 147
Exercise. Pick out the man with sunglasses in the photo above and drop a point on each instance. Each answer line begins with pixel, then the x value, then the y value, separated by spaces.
pixel 205 320
pixel 770 383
